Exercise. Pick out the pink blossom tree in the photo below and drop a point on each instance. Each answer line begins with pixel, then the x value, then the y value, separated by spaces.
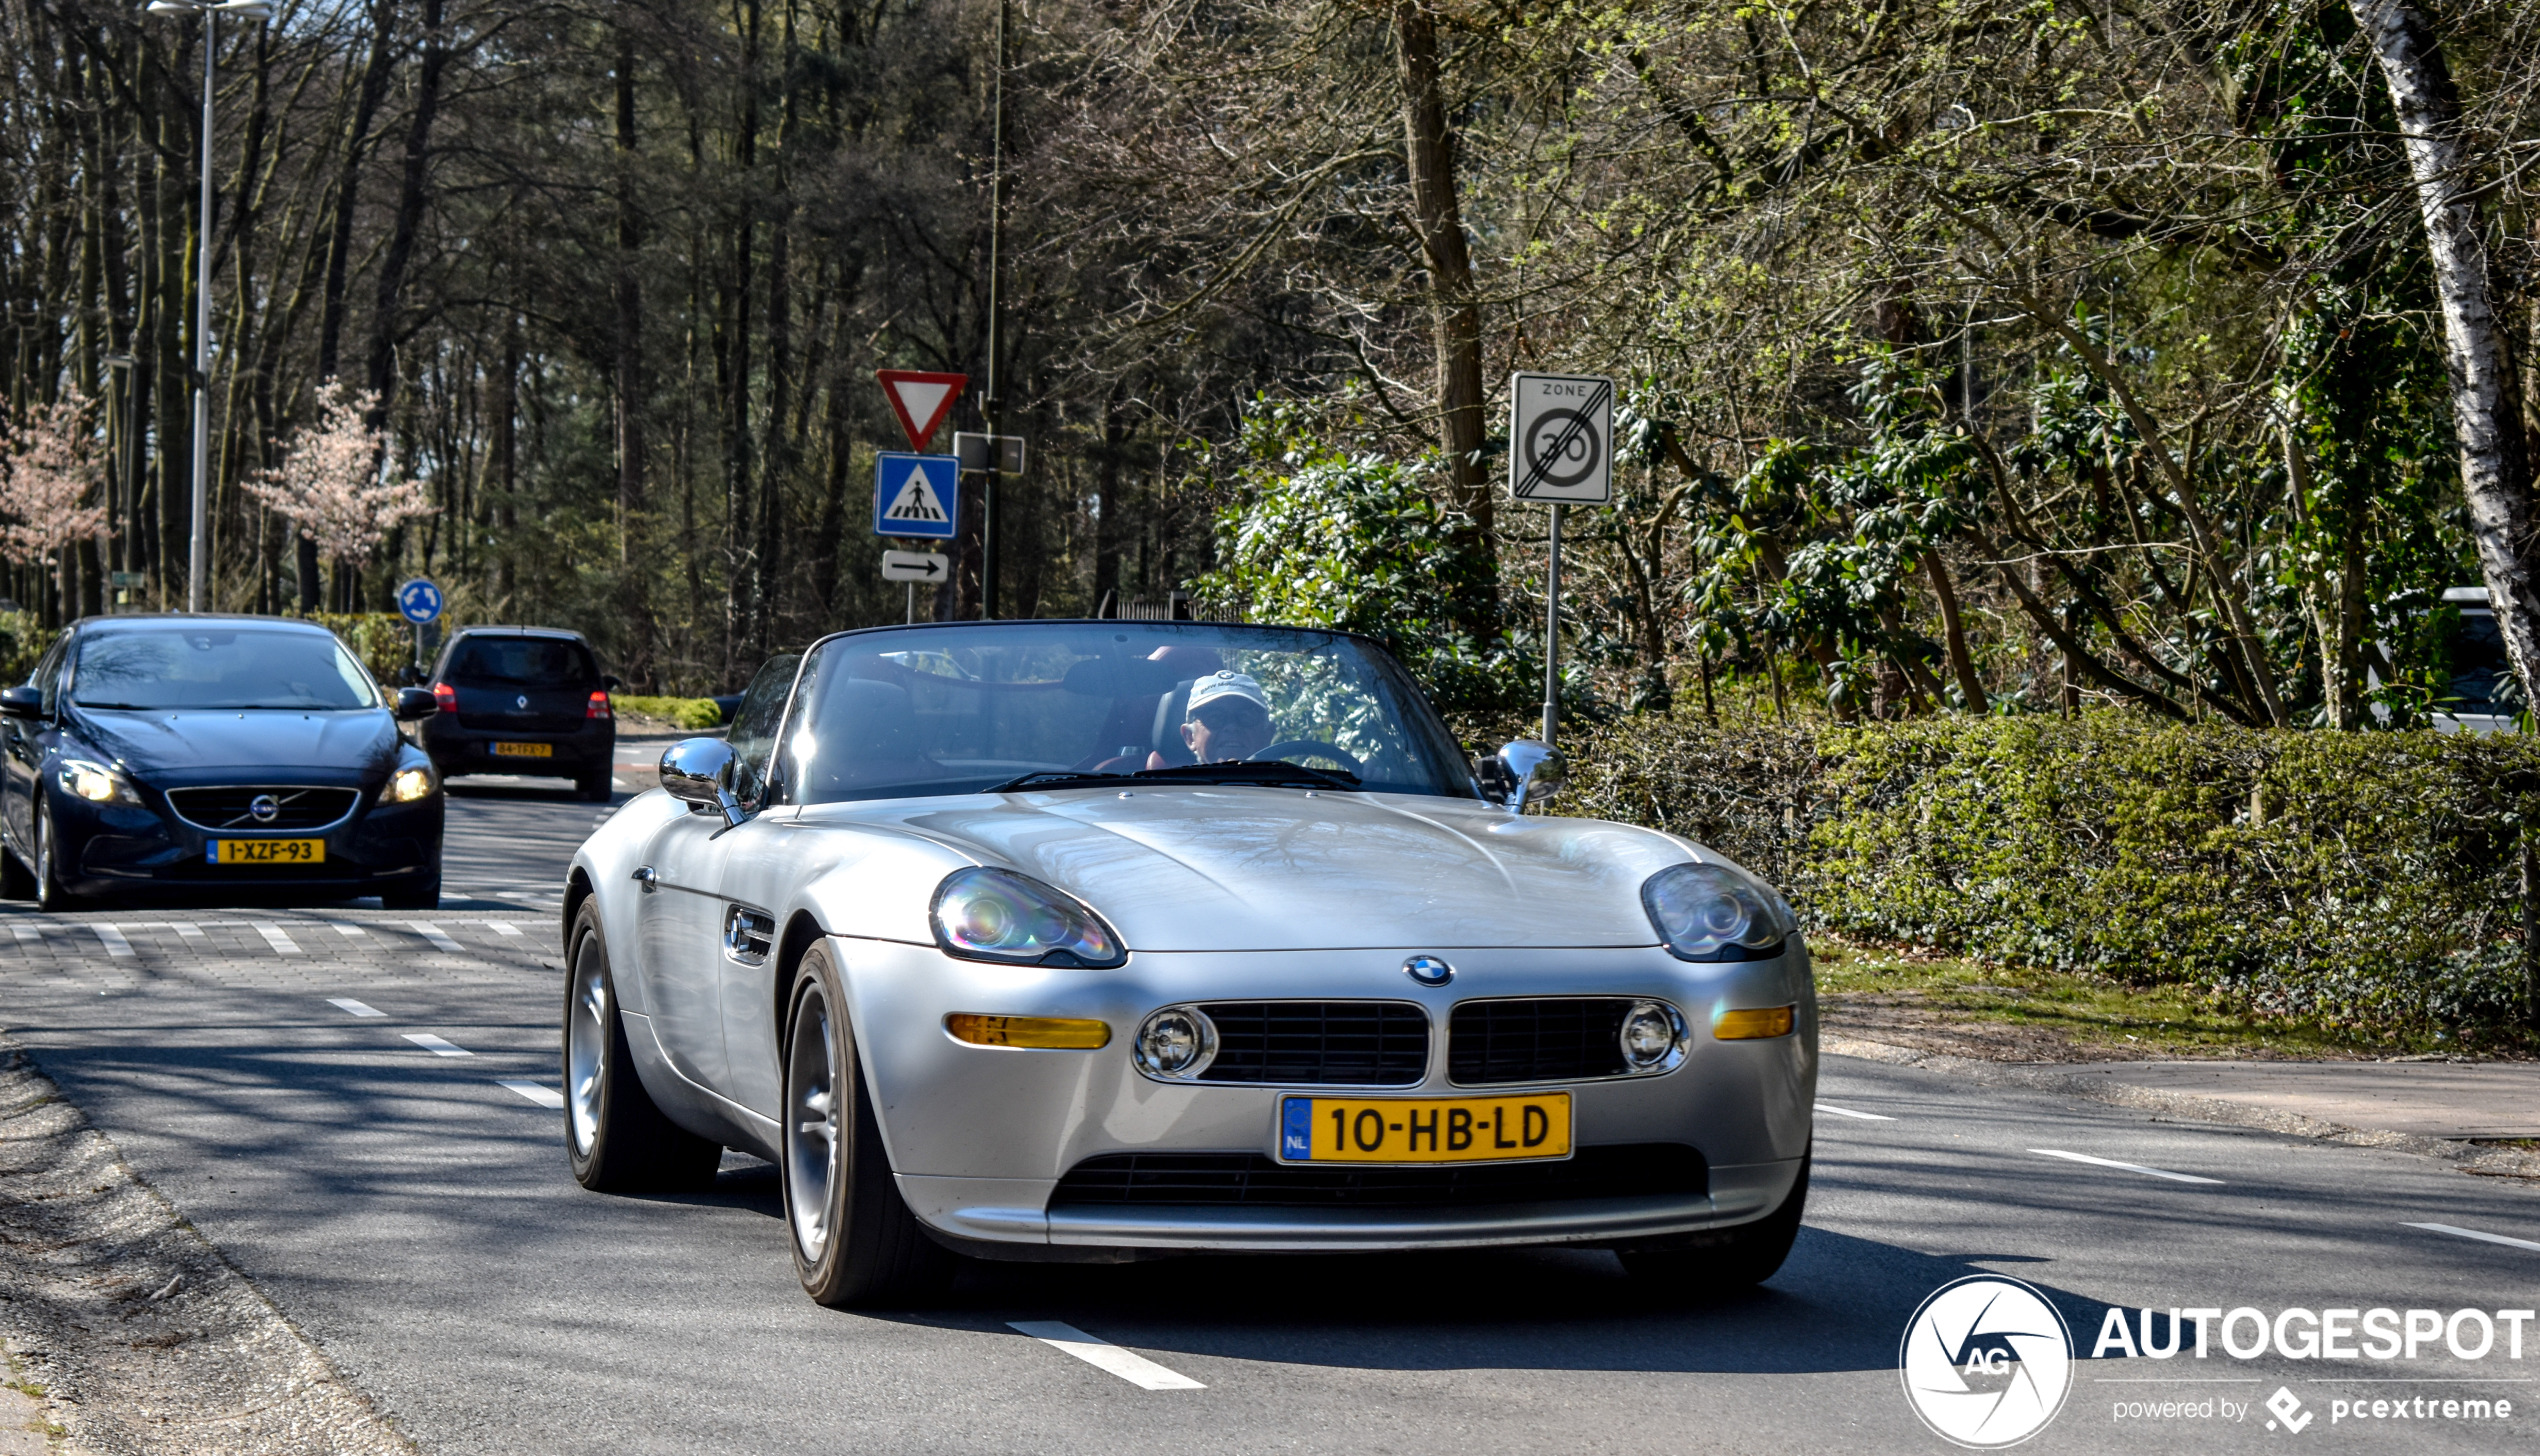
pixel 332 486
pixel 48 475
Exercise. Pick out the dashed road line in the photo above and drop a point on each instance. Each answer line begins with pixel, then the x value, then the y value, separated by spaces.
pixel 277 937
pixel 436 1045
pixel 187 930
pixel 111 938
pixel 1848 1112
pixel 502 927
pixel 1138 1370
pixel 28 934
pixel 356 1008
pixel 440 938
pixel 2484 1238
pixel 544 1096
pixel 2123 1167
pixel 351 931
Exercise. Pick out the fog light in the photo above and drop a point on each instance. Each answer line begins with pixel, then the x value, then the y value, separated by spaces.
pixel 1055 1033
pixel 1651 1037
pixel 1753 1025
pixel 1177 1041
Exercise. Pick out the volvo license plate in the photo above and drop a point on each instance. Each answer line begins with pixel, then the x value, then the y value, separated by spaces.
pixel 1424 1129
pixel 265 851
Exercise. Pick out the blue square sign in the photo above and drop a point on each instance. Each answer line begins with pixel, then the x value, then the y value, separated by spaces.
pixel 916 495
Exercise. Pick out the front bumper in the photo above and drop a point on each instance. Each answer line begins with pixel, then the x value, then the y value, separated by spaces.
pixel 981 1136
pixel 105 847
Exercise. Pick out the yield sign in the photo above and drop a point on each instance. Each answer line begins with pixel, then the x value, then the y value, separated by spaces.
pixel 920 400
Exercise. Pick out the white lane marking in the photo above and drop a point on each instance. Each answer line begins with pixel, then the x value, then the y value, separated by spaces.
pixel 28 934
pixel 436 1045
pixel 351 932
pixel 2123 1167
pixel 502 927
pixel 543 1096
pixel 440 938
pixel 2462 1233
pixel 276 937
pixel 356 1008
pixel 187 930
pixel 111 937
pixel 1848 1112
pixel 1138 1370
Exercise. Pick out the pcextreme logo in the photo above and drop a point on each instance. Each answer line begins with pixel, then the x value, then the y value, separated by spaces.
pixel 1986 1361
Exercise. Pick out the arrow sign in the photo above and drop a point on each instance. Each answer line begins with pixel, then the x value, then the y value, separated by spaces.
pixel 419 601
pixel 914 566
pixel 916 495
pixel 921 400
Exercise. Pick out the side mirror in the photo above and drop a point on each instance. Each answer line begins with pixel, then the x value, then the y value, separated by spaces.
pixel 409 675
pixel 414 703
pixel 609 680
pixel 26 701
pixel 1526 772
pixel 703 773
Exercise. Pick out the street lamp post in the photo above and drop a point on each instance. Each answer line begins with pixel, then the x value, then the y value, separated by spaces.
pixel 198 552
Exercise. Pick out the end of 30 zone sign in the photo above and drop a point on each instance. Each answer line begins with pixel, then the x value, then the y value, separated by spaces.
pixel 1561 439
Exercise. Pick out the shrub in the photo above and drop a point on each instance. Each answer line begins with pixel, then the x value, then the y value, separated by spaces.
pixel 2367 881
pixel 691 713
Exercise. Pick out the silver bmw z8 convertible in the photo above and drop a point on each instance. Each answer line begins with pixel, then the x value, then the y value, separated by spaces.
pixel 1101 940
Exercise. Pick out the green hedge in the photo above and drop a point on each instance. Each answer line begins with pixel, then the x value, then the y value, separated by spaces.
pixel 2366 881
pixel 693 713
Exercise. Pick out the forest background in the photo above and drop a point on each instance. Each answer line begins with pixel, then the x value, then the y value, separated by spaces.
pixel 1985 363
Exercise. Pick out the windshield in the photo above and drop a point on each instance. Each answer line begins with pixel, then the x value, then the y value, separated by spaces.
pixel 243 667
pixel 523 660
pixel 962 710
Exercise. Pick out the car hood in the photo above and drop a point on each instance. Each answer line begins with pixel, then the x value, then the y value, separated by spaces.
pixel 263 739
pixel 1241 868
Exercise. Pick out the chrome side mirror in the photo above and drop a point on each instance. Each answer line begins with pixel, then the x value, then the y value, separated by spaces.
pixel 703 774
pixel 1528 772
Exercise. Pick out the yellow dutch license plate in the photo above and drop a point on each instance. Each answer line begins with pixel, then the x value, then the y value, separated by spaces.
pixel 524 750
pixel 266 851
pixel 1424 1130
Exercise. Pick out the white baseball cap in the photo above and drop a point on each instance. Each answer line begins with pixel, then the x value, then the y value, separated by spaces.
pixel 1228 684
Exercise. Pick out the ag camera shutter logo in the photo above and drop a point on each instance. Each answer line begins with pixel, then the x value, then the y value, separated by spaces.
pixel 1986 1361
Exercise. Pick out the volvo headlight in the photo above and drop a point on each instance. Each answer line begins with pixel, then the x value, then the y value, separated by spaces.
pixel 407 785
pixel 1709 912
pixel 94 782
pixel 997 915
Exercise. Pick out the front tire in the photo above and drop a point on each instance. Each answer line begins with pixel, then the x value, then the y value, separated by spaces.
pixel 49 894
pixel 596 788
pixel 422 895
pixel 616 1138
pixel 1728 1261
pixel 854 1240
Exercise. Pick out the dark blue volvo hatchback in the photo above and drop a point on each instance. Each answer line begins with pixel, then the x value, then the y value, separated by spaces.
pixel 214 753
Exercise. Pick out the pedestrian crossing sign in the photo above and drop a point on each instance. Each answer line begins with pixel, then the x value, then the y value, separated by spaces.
pixel 916 495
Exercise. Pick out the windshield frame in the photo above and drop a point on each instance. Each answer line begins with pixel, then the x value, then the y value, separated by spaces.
pixel 1422 722
pixel 67 676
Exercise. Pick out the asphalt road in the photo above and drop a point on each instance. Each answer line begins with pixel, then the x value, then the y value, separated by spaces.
pixel 357 1107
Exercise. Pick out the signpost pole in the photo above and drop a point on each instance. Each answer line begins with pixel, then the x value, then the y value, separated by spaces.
pixel 912 605
pixel 992 404
pixel 1552 629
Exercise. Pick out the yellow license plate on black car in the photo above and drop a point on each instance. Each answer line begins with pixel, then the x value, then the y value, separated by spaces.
pixel 265 851
pixel 524 750
pixel 1424 1129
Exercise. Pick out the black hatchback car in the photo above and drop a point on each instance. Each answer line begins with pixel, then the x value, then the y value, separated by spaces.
pixel 523 700
pixel 213 753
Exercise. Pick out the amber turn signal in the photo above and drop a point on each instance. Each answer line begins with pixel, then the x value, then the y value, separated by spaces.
pixel 1058 1033
pixel 1750 1025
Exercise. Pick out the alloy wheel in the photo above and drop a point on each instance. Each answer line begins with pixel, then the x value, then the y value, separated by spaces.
pixel 811 1124
pixel 586 1044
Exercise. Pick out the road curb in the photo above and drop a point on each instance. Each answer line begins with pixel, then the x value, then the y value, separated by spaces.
pixel 140 1334
pixel 2468 1157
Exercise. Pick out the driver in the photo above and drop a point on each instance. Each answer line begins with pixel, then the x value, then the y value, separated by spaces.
pixel 1228 719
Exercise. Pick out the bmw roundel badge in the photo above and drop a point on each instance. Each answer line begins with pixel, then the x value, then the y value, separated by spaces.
pixel 1428 970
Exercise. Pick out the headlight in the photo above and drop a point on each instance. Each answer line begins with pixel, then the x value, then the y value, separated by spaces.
pixel 998 915
pixel 1652 1037
pixel 407 785
pixel 1177 1042
pixel 94 782
pixel 1708 912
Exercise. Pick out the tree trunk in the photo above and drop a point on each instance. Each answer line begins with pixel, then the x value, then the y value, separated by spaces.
pixel 348 182
pixel 387 314
pixel 1455 314
pixel 630 310
pixel 1954 636
pixel 2495 455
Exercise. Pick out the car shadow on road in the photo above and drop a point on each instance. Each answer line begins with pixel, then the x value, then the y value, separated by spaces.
pixel 1840 1304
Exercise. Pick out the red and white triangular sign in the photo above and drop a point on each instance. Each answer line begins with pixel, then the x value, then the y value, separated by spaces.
pixel 921 400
